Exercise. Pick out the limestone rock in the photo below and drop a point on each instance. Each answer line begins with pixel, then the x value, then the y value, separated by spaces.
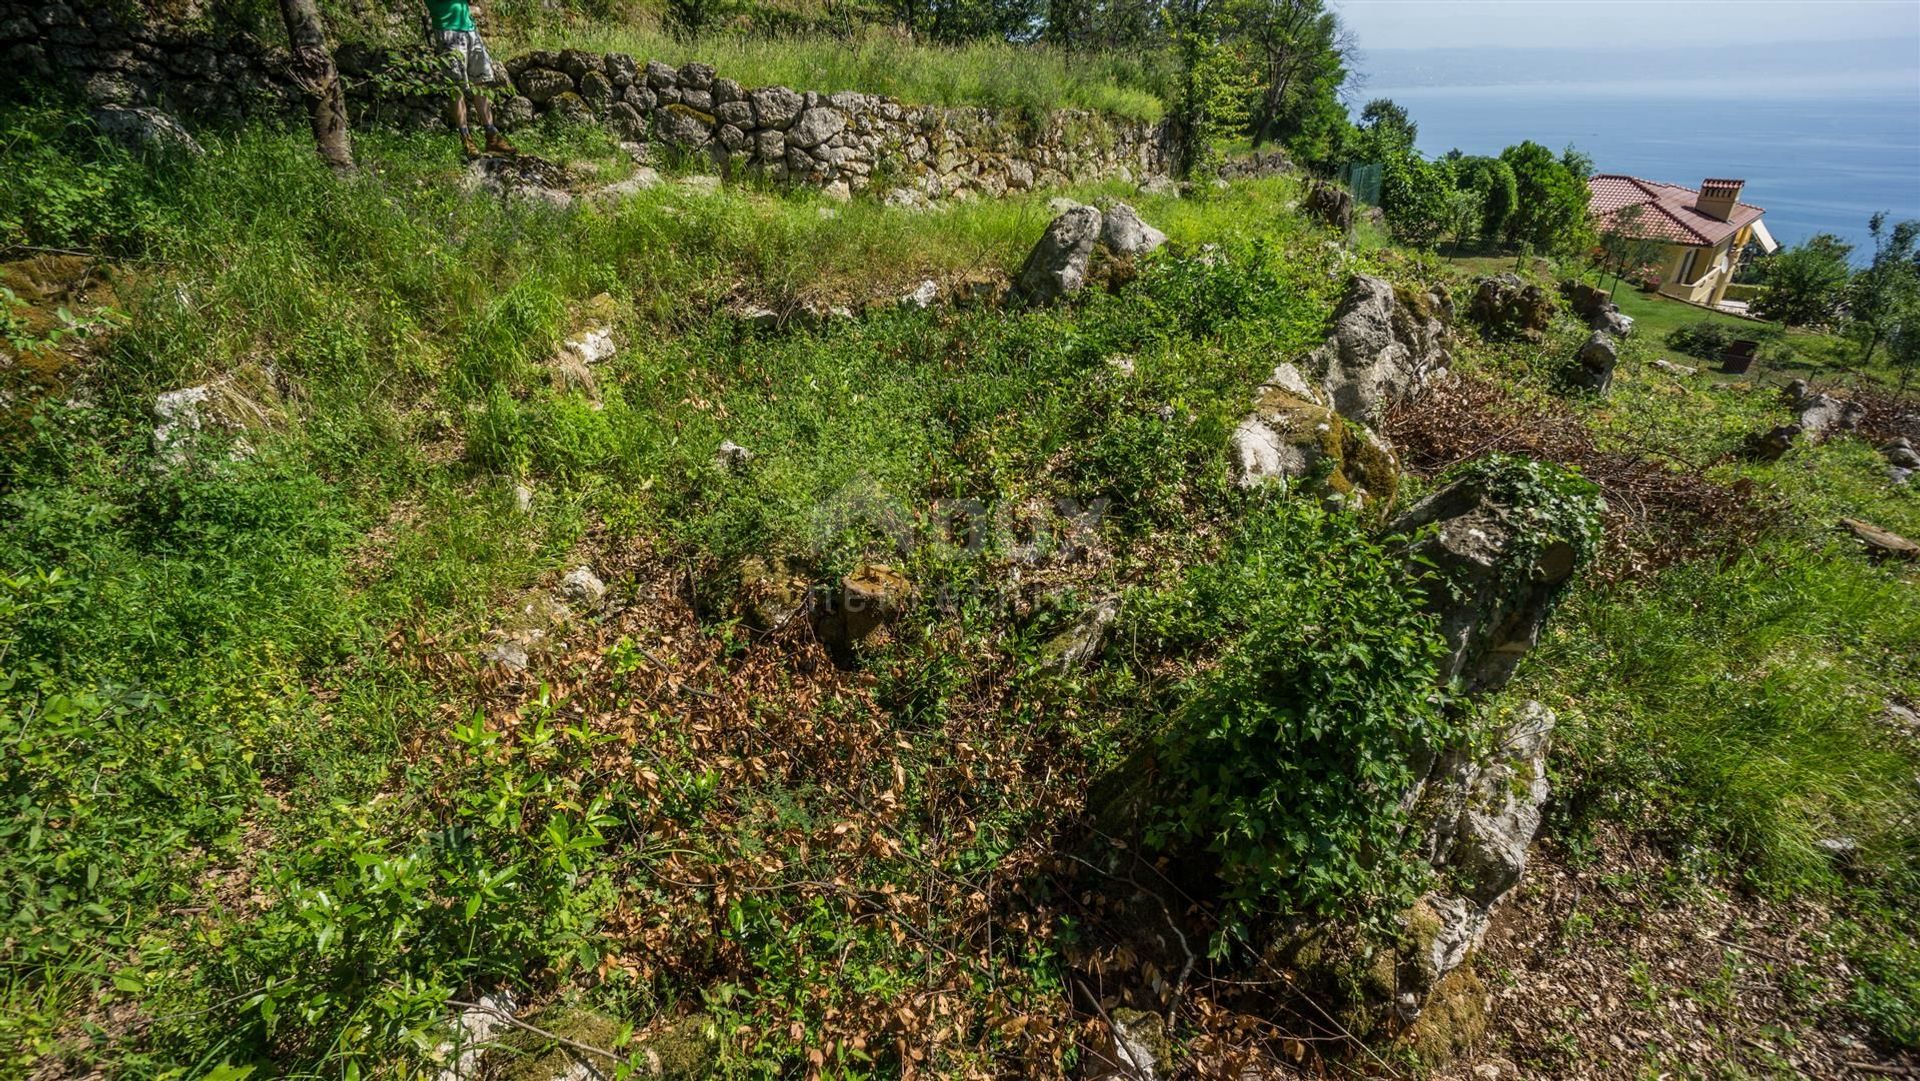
pixel 474 1028
pixel 1823 415
pixel 683 126
pixel 772 592
pixel 1123 233
pixel 1674 369
pixel 1057 265
pixel 1482 817
pixel 145 130
pixel 1594 363
pixel 1295 440
pixel 924 295
pixel 731 457
pixel 816 126
pixel 541 86
pixel 1506 307
pixel 582 586
pixel 1594 307
pixel 1899 452
pixel 1135 1047
pixel 1331 204
pixel 775 107
pixel 1384 348
pixel 1490 583
pixel 1074 648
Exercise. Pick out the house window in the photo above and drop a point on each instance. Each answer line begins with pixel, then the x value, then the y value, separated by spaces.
pixel 1686 266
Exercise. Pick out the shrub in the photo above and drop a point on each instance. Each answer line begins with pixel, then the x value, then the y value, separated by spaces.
pixel 66 186
pixel 1290 760
pixel 1702 338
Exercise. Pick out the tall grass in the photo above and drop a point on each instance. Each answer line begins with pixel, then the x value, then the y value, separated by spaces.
pixel 1737 708
pixel 1030 78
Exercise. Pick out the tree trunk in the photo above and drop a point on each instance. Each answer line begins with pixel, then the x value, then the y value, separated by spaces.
pixel 313 69
pixel 1872 344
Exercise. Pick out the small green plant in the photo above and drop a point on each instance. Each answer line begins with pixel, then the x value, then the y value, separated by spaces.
pixel 1703 339
pixel 1289 761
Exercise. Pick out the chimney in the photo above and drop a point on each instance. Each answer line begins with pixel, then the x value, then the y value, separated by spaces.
pixel 1717 197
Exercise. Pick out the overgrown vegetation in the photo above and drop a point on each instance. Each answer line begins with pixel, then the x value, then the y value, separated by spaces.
pixel 269 807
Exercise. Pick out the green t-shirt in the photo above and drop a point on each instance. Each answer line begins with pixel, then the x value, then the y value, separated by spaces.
pixel 451 14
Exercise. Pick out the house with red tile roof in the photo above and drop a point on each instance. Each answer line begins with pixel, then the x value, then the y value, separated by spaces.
pixel 1702 231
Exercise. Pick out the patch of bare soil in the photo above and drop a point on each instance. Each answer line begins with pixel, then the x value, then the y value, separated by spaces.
pixel 1622 966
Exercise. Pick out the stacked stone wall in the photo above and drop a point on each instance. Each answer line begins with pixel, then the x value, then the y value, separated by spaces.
pixel 120 56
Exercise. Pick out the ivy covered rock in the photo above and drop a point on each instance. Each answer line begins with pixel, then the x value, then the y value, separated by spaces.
pixel 1500 543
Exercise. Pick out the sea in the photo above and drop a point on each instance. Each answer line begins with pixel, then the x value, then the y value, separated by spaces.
pixel 1825 136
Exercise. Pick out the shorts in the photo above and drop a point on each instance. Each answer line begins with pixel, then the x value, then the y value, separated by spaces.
pixel 466 56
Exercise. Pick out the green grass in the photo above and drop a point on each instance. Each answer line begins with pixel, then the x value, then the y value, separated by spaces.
pixel 257 795
pixel 1028 78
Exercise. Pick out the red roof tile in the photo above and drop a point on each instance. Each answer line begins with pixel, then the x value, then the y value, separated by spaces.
pixel 1667 210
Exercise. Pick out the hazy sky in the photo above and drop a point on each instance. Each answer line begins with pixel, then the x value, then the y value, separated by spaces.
pixel 1408 24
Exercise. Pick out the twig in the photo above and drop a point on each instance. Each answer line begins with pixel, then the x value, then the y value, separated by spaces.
pixel 540 1032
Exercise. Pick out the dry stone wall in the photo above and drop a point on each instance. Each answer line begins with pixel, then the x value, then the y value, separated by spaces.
pixel 206 70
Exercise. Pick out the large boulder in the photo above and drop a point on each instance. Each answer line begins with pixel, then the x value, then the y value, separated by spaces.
pixel 1505 306
pixel 1481 815
pixel 145 130
pixel 1123 233
pixel 1057 266
pixel 1386 344
pixel 1821 415
pixel 1495 548
pixel 1293 438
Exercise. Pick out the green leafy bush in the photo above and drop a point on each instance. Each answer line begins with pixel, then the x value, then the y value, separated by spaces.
pixel 1703 338
pixel 66 186
pixel 1290 760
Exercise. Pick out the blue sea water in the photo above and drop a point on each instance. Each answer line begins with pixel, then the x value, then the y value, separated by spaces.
pixel 1821 155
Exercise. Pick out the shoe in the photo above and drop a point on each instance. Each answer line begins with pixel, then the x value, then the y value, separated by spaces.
pixel 466 144
pixel 497 144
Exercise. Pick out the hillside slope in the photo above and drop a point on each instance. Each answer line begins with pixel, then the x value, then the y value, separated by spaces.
pixel 318 736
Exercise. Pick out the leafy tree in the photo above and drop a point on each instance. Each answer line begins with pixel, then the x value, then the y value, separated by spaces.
pixel 1625 246
pixel 1461 215
pixel 1578 162
pixel 1885 294
pixel 1806 283
pixel 1214 88
pixel 1492 183
pixel 1550 210
pixel 1389 123
pixel 1903 346
pixel 1413 195
pixel 1301 53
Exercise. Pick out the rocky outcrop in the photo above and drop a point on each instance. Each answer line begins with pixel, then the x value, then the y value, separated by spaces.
pixel 1386 344
pixel 1594 363
pixel 1507 307
pixel 1060 262
pixel 1491 569
pixel 1057 265
pixel 1481 815
pixel 145 130
pixel 1596 308
pixel 1817 417
pixel 1293 437
pixel 1123 233
pixel 1332 205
